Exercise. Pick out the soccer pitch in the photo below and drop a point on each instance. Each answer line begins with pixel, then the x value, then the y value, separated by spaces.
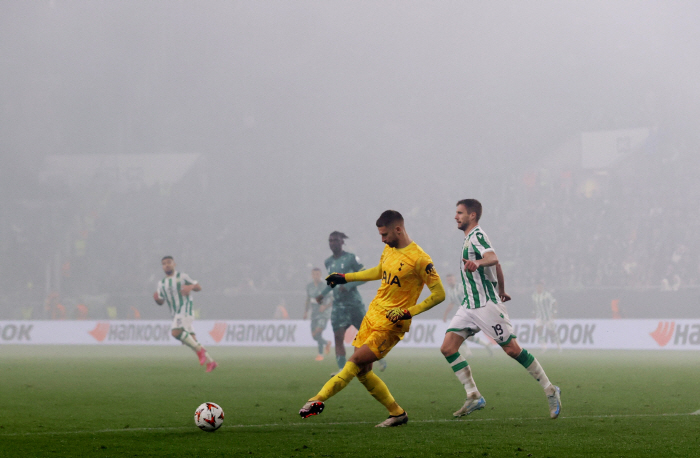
pixel 139 401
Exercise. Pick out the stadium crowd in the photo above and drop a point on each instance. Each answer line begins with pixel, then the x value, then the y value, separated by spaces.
pixel 627 227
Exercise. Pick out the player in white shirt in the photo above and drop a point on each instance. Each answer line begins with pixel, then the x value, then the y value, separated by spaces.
pixel 483 310
pixel 175 289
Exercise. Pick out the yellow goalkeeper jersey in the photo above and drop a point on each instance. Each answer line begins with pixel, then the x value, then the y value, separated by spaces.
pixel 403 273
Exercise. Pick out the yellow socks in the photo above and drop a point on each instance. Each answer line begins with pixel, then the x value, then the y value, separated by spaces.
pixel 378 389
pixel 338 382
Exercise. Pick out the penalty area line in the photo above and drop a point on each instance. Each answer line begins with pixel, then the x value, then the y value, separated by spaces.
pixel 346 423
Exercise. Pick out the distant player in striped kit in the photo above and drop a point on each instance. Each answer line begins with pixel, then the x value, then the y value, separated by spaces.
pixel 545 312
pixel 175 289
pixel 483 310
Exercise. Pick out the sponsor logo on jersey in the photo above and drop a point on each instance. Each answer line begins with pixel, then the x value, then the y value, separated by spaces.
pixel 390 280
pixel 430 269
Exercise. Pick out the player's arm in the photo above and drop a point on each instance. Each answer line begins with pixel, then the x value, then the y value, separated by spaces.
pixel 375 273
pixel 185 290
pixel 323 294
pixel 160 300
pixel 189 286
pixel 489 259
pixel 505 297
pixel 437 293
pixel 353 285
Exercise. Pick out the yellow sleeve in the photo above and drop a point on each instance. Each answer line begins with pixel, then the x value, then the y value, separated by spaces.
pixel 430 277
pixel 375 273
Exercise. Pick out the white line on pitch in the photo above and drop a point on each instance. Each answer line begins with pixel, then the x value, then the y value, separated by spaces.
pixel 310 423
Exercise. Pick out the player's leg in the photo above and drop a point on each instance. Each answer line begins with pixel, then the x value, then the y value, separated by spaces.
pixel 462 326
pixel 356 318
pixel 541 333
pixel 323 324
pixel 340 324
pixel 552 327
pixel 374 346
pixel 534 368
pixel 450 350
pixel 315 405
pixel 180 330
pixel 202 353
pixel 316 333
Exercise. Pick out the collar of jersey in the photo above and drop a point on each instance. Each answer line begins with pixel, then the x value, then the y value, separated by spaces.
pixel 473 230
pixel 401 249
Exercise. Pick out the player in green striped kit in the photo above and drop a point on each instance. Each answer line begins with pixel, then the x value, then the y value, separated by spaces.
pixel 483 310
pixel 175 289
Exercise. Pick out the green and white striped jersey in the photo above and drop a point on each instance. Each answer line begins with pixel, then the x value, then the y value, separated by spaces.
pixel 169 289
pixel 480 286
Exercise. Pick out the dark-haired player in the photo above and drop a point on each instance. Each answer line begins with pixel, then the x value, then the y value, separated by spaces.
pixel 348 309
pixel 403 270
pixel 483 310
pixel 175 289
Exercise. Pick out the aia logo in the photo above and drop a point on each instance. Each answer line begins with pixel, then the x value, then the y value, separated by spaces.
pixel 663 333
pixel 218 331
pixel 100 331
pixel 387 278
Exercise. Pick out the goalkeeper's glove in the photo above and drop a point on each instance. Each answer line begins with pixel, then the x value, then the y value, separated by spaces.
pixel 398 314
pixel 335 279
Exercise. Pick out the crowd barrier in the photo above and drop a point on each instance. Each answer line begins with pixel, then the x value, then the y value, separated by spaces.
pixel 625 334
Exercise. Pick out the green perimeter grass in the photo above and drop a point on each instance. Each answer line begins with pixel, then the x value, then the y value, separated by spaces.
pixel 139 401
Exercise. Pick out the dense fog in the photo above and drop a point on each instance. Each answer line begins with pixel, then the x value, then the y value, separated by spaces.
pixel 235 136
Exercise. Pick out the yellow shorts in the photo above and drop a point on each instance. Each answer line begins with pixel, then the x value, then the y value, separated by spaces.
pixel 378 340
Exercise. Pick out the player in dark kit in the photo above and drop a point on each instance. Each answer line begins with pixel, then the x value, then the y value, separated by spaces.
pixel 348 309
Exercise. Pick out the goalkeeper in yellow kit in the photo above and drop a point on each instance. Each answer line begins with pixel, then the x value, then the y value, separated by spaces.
pixel 403 269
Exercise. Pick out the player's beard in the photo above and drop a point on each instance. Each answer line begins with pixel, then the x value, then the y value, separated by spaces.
pixel 462 226
pixel 393 243
pixel 169 272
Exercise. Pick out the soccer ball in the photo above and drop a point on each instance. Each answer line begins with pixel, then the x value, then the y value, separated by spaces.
pixel 209 417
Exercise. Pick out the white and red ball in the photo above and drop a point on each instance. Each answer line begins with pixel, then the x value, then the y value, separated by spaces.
pixel 209 417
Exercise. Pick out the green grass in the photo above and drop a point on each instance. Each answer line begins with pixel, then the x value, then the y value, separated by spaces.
pixel 136 401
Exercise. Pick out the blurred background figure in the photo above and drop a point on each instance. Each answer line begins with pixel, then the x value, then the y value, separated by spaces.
pixel 320 313
pixel 545 313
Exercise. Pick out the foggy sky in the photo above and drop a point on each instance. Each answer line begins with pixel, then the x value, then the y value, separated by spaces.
pixel 303 110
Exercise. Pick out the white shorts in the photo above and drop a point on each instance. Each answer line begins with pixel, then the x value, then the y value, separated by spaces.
pixel 492 319
pixel 182 321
